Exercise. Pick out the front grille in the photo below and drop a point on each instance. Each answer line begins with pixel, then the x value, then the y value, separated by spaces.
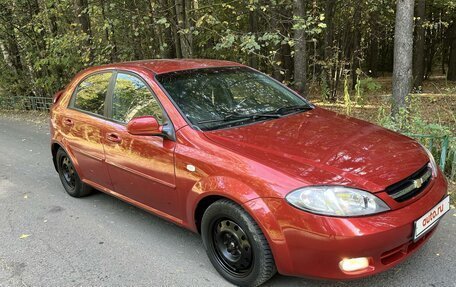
pixel 412 185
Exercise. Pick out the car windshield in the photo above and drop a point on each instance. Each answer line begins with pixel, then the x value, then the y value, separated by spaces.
pixel 224 97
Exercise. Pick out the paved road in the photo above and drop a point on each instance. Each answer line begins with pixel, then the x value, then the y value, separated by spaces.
pixel 102 241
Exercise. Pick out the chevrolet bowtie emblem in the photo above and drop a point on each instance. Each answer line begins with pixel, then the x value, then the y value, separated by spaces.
pixel 418 183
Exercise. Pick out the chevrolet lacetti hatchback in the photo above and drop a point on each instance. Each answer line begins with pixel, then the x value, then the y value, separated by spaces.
pixel 271 182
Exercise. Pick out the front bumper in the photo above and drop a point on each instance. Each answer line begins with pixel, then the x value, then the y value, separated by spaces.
pixel 311 245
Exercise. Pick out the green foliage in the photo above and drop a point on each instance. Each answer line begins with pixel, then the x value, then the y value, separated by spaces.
pixel 364 87
pixel 324 91
pixel 51 43
pixel 347 100
pixel 407 122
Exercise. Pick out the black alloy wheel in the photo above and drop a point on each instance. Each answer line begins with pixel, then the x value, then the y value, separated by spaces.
pixel 232 247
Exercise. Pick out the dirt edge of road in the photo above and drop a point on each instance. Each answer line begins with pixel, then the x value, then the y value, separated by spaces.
pixel 35 117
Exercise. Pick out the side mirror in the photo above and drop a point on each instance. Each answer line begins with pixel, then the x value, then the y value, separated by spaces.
pixel 144 126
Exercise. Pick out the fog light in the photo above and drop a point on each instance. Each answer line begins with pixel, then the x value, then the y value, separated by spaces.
pixel 354 264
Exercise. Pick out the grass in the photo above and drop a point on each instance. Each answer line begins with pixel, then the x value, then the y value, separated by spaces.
pixel 436 104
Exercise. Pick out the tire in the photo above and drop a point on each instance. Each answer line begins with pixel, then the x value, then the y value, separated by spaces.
pixel 236 245
pixel 69 177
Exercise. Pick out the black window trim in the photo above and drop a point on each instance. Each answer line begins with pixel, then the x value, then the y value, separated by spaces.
pixel 196 127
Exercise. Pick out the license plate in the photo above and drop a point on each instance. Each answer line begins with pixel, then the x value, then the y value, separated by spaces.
pixel 427 221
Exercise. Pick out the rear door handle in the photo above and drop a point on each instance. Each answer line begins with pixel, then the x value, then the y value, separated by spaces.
pixel 68 122
pixel 113 137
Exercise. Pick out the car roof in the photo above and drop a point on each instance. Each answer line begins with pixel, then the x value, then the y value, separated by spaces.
pixel 162 66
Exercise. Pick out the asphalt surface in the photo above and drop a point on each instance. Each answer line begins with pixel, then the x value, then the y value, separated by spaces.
pixel 102 241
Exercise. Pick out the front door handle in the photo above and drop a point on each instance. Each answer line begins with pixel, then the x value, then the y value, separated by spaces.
pixel 113 137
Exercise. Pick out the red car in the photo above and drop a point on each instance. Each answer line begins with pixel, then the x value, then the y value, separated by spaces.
pixel 272 183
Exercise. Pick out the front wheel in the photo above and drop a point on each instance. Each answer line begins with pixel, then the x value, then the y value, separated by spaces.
pixel 236 245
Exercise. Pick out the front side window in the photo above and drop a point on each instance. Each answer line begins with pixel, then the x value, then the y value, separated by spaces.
pixel 224 97
pixel 91 93
pixel 132 98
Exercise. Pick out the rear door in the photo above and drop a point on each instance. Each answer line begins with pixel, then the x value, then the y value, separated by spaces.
pixel 83 127
pixel 141 167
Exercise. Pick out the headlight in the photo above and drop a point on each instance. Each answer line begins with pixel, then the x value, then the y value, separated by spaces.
pixel 432 162
pixel 336 201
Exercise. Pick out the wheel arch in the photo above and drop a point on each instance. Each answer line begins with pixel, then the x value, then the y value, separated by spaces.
pixel 210 189
pixel 55 146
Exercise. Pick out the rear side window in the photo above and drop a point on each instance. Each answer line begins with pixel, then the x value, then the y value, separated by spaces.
pixel 132 98
pixel 91 93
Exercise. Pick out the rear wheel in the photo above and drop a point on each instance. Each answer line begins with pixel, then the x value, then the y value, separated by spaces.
pixel 236 245
pixel 69 177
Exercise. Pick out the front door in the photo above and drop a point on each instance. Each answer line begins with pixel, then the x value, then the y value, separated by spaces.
pixel 141 167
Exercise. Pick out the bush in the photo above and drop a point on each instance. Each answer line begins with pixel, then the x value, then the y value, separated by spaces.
pixel 411 123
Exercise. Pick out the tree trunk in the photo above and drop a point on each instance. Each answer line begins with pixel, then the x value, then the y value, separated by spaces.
pixel 136 33
pixel 373 58
pixel 418 56
pixel 169 49
pixel 300 53
pixel 451 76
pixel 175 28
pixel 184 33
pixel 109 32
pixel 11 52
pixel 403 54
pixel 54 31
pixel 253 28
pixel 82 12
pixel 329 70
pixel 285 47
pixel 189 27
pixel 356 45
pixel 330 10
pixel 277 65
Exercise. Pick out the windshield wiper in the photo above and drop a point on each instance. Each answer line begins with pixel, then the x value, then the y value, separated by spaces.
pixel 291 109
pixel 240 117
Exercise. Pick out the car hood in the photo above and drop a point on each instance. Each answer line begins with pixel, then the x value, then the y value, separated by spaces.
pixel 322 147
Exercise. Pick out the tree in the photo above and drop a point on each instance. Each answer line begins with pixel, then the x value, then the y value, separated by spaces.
pixel 418 55
pixel 327 48
pixel 45 42
pixel 253 28
pixel 403 53
pixel 183 23
pixel 355 62
pixel 451 76
pixel 300 57
pixel 82 13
